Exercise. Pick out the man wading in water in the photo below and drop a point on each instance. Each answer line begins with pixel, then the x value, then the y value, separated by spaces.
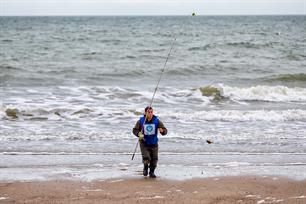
pixel 148 139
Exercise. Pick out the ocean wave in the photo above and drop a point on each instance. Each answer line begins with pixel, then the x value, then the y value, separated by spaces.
pixel 301 77
pixel 200 48
pixel 113 114
pixel 186 71
pixel 120 73
pixel 254 45
pixel 250 45
pixel 152 50
pixel 128 57
pixel 7 40
pixel 45 113
pixel 9 67
pixel 58 72
pixel 259 93
pixel 96 102
pixel 241 115
pixel 296 56
pixel 91 55
pixel 110 41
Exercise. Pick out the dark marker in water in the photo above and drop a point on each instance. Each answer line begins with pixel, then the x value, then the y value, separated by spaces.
pixel 209 141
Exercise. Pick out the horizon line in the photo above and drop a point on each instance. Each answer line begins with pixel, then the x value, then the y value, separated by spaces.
pixel 140 15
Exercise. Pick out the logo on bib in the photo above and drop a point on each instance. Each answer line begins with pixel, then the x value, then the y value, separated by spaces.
pixel 149 129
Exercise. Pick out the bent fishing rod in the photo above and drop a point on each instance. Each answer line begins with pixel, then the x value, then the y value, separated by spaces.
pixel 155 90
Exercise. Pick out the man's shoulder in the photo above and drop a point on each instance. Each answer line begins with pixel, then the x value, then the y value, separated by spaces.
pixel 156 119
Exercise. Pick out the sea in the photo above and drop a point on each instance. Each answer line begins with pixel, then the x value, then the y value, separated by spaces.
pixel 72 89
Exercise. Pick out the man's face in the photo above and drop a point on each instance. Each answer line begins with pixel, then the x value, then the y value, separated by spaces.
pixel 149 114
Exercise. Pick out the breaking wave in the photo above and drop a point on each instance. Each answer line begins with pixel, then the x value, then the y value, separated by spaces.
pixel 243 116
pixel 257 93
pixel 107 103
pixel 288 78
pixel 110 115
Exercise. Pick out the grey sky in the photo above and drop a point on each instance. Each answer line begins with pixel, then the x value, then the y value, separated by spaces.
pixel 152 7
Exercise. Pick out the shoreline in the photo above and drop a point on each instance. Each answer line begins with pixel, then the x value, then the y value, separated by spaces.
pixel 229 189
pixel 172 167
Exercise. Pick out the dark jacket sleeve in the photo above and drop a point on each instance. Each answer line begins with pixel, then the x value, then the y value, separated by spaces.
pixel 136 128
pixel 161 125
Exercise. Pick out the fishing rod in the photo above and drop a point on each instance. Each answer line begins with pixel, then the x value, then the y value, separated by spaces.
pixel 155 90
pixel 152 100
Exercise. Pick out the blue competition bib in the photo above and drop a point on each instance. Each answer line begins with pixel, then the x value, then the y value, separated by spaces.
pixel 149 129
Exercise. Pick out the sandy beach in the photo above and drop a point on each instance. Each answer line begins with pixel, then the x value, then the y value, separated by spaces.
pixel 144 190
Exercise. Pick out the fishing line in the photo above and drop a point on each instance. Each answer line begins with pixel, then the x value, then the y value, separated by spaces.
pixel 2 94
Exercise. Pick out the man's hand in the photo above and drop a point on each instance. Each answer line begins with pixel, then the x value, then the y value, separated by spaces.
pixel 140 136
pixel 161 130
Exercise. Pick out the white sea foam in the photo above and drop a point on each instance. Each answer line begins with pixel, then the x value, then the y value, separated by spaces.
pixel 236 163
pixel 116 114
pixel 298 197
pixel 264 93
pixel 240 115
pixel 73 99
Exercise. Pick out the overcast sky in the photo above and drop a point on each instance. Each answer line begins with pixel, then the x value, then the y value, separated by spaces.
pixel 152 7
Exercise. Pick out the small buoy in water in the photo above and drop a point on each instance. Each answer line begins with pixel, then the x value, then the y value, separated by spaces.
pixel 209 141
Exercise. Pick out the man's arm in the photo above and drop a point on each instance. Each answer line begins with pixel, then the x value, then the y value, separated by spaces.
pixel 162 129
pixel 136 129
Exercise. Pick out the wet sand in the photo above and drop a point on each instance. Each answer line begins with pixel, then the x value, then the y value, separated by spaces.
pixel 144 190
